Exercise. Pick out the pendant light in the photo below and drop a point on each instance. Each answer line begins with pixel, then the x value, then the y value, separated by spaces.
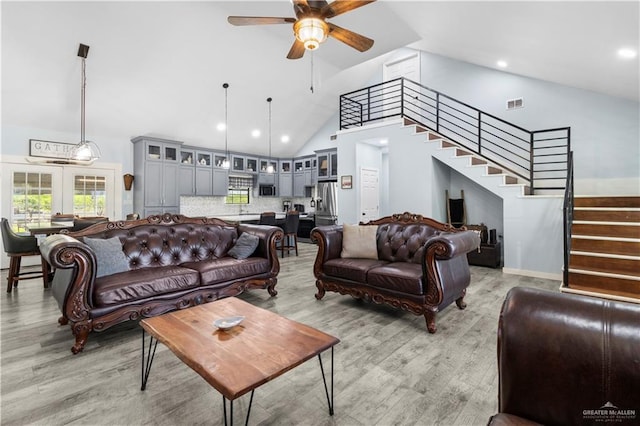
pixel 270 166
pixel 226 163
pixel 85 150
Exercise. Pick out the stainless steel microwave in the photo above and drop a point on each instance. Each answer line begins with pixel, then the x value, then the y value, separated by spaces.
pixel 267 190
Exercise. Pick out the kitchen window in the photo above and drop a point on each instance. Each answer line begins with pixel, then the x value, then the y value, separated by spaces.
pixel 239 190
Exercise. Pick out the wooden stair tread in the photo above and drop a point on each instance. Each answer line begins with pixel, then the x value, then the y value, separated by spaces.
pixel 610 265
pixel 612 201
pixel 629 248
pixel 607 215
pixel 606 230
pixel 617 286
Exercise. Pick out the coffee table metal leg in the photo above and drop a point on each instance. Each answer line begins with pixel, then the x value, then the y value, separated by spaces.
pixel 224 410
pixel 324 380
pixel 146 367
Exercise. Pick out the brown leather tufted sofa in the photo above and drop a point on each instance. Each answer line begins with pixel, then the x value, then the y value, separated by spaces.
pixel 174 262
pixel 421 267
pixel 567 359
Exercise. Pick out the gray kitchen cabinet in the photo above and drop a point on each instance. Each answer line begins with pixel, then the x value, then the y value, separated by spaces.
pixel 187 172
pixel 285 184
pixel 187 180
pixel 156 165
pixel 299 183
pixel 265 178
pixel 204 173
pixel 220 182
pixel 327 163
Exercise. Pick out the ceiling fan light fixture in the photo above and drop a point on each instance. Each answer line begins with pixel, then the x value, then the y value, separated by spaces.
pixel 311 32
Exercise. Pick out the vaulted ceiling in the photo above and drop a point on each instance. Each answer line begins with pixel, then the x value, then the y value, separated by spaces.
pixel 157 68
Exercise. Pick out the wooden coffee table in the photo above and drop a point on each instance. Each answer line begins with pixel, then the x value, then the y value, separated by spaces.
pixel 240 359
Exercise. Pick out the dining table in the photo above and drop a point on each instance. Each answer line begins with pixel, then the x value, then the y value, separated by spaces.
pixel 41 230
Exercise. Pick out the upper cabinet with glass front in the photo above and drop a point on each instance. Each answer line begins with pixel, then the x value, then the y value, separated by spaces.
pixel 251 165
pixel 160 151
pixel 238 163
pixel 327 163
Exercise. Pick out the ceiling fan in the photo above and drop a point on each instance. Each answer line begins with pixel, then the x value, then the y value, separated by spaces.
pixel 310 25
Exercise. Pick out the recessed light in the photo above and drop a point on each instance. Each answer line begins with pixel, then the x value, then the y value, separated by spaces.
pixel 502 64
pixel 255 133
pixel 221 127
pixel 384 141
pixel 627 53
pixel 284 139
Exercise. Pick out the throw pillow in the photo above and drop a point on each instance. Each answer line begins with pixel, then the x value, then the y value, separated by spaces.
pixel 111 259
pixel 244 247
pixel 359 241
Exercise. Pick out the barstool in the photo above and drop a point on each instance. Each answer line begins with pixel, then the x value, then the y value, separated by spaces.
pixel 290 228
pixel 17 246
pixel 267 218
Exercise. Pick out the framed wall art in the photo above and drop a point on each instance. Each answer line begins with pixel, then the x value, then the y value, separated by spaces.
pixel 346 182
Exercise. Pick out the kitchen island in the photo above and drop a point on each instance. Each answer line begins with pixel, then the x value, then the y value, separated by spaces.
pixel 307 220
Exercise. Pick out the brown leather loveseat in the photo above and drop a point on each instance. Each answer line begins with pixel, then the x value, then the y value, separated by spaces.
pixel 167 262
pixel 420 266
pixel 567 359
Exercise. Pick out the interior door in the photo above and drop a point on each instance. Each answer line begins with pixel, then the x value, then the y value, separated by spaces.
pixel 369 194
pixel 407 67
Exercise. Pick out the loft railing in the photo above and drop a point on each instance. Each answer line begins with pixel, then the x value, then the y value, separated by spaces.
pixel 538 157
pixel 567 212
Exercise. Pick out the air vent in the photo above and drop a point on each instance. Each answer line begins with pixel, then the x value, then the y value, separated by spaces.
pixel 333 137
pixel 515 103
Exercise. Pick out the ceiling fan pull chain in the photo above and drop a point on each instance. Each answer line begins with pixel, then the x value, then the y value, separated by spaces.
pixel 311 72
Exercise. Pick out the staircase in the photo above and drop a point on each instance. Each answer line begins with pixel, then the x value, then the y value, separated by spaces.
pixel 470 164
pixel 605 248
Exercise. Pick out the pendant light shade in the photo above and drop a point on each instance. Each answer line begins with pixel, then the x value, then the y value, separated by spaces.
pixel 226 163
pixel 270 166
pixel 85 150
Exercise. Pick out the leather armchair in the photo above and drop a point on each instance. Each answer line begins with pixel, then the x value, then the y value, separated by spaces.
pixel 566 359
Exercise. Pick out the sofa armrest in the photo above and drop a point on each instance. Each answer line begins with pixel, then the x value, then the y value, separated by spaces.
pixel 448 245
pixel 269 236
pixel 65 252
pixel 329 240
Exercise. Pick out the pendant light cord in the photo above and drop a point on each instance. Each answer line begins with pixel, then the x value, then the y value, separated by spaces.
pixel 269 100
pixel 226 122
pixel 311 72
pixel 83 88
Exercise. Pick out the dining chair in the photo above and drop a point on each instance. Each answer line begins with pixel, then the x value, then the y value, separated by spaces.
pixel 290 240
pixel 267 218
pixel 16 246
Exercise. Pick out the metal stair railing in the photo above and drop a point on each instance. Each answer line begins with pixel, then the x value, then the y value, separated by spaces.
pixel 567 213
pixel 538 157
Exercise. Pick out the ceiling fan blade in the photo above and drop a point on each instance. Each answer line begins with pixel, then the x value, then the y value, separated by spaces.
pixel 301 8
pixel 355 40
pixel 338 7
pixel 258 20
pixel 297 50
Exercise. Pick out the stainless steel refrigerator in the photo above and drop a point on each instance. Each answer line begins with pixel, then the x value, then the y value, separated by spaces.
pixel 327 203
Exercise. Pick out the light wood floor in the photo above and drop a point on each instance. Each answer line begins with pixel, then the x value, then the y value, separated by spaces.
pixel 388 369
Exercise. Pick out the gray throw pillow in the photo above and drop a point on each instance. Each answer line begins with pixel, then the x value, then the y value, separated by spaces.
pixel 111 259
pixel 245 246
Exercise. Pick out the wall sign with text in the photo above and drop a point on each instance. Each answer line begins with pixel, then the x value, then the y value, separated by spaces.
pixel 49 149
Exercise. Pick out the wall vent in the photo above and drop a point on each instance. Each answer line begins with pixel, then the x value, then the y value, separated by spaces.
pixel 515 103
pixel 333 137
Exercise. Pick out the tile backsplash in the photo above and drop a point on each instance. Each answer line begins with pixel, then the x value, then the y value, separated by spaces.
pixel 213 206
